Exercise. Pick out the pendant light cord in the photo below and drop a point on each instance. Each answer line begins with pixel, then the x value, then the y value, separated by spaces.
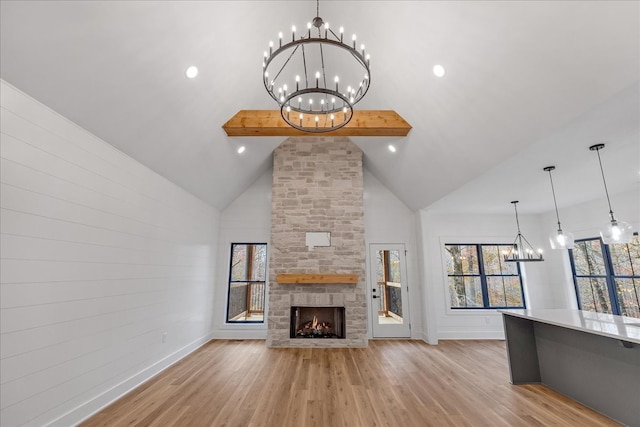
pixel 517 220
pixel 553 191
pixel 606 191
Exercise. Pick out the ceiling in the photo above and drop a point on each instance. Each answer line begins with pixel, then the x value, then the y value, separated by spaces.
pixel 528 84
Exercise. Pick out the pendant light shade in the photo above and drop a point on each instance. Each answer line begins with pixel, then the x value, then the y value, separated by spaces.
pixel 559 239
pixel 615 231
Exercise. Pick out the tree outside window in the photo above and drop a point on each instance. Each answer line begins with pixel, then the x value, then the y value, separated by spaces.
pixel 478 277
pixel 607 277
pixel 247 278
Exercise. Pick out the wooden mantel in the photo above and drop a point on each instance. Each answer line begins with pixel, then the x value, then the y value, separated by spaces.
pixel 317 278
pixel 363 123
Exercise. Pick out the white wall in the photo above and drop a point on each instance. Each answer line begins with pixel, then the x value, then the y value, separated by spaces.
pixel 548 284
pixel 388 220
pixel 438 229
pixel 246 220
pixel 100 258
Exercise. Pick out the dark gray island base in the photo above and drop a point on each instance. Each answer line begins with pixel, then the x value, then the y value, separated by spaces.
pixel 593 358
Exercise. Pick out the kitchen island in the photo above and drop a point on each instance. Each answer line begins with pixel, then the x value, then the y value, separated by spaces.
pixel 593 358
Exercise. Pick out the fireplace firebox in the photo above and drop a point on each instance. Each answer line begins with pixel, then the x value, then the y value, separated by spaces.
pixel 317 322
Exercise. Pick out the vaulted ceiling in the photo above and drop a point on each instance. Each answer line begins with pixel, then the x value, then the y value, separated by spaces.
pixel 527 84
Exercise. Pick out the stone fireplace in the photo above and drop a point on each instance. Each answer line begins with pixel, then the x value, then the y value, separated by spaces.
pixel 317 188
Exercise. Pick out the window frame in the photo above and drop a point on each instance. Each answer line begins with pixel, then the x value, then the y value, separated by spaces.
pixel 483 279
pixel 610 277
pixel 230 282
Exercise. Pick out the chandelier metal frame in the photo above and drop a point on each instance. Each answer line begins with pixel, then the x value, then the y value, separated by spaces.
pixel 334 108
pixel 521 250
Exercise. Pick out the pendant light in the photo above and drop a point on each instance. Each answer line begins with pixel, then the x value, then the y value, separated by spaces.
pixel 521 250
pixel 558 239
pixel 616 231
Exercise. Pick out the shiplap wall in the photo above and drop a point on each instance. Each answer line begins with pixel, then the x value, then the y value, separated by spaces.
pixel 100 258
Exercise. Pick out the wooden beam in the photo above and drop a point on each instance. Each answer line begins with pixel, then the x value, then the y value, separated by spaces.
pixel 316 278
pixel 363 123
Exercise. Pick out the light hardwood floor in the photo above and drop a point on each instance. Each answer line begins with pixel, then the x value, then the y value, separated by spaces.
pixel 390 383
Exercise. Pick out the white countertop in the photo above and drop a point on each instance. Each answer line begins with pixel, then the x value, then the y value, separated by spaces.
pixel 608 325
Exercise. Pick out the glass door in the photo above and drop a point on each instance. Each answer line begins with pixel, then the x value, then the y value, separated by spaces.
pixel 388 291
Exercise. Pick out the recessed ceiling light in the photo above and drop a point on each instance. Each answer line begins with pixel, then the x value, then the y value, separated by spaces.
pixel 241 149
pixel 392 148
pixel 192 71
pixel 438 70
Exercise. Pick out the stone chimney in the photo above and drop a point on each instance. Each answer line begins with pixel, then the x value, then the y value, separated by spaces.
pixel 317 187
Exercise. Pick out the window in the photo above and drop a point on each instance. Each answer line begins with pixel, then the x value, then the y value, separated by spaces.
pixel 607 277
pixel 478 277
pixel 247 274
pixel 389 285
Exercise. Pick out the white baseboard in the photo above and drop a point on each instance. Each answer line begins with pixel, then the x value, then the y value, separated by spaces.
pixel 87 409
pixel 426 339
pixel 471 335
pixel 239 335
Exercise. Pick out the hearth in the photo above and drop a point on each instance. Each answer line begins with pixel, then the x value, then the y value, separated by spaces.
pixel 317 322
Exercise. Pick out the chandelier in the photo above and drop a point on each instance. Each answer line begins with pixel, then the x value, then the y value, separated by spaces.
pixel 316 76
pixel 521 250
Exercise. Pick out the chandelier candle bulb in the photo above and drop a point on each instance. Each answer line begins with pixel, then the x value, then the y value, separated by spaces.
pixel 297 83
pixel 354 42
pixel 309 29
pixel 326 29
pixel 270 48
pixel 362 49
pixel 337 79
pixel 317 78
pixel 280 39
pixel 293 33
